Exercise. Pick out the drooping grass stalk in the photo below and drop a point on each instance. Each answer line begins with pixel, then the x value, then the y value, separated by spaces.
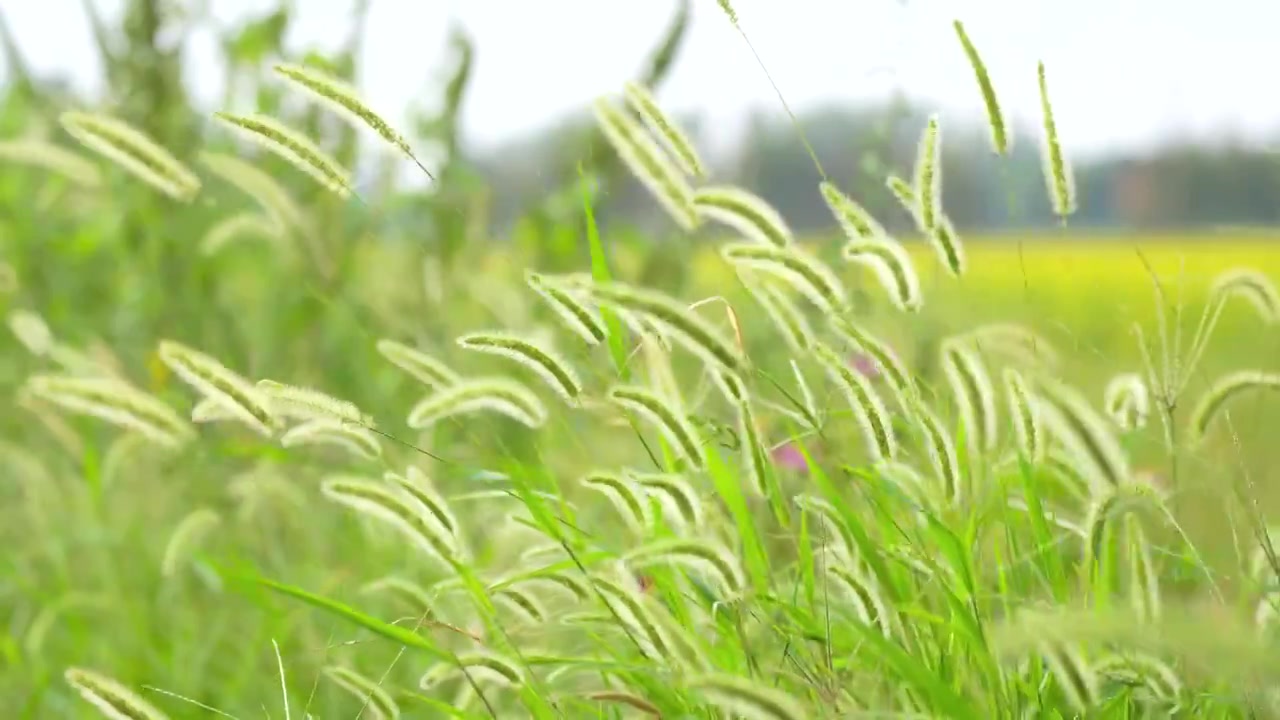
pixel 673 425
pixel 188 533
pixel 857 223
pixel 257 184
pixel 711 558
pixel 1026 419
pixel 676 141
pixel 376 701
pixel 133 151
pixel 784 314
pixel 648 163
pixel 974 393
pixel 554 370
pixel 1127 401
pixel 32 331
pixel 905 194
pixel 496 394
pixel 1214 400
pixel 867 407
pixel 338 433
pixel 744 698
pixel 803 273
pixel 293 147
pixel 1093 450
pixel 235 227
pixel 892 267
pixel 421 366
pixel 745 212
pixel 214 380
pixel 114 402
pixel 623 495
pixel 694 333
pixel 341 96
pixel 572 312
pixel 54 158
pixel 110 697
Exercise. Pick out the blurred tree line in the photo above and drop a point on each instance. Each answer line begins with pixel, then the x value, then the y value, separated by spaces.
pixel 1179 185
pixel 530 185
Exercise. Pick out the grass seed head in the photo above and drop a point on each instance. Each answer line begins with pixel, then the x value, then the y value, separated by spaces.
pixel 941 447
pixel 54 158
pixel 115 402
pixel 1091 448
pixel 672 316
pixel 676 492
pixel 1127 401
pixel 214 380
pixel 746 699
pixel 582 320
pixel 1057 170
pixel 32 331
pixel 185 536
pixel 303 403
pixel 133 151
pixel 905 194
pixel 974 394
pixel 893 268
pixel 785 315
pixel 799 271
pixel 1001 138
pixel 236 227
pixel 554 370
pixel 355 439
pixel 879 351
pixel 1214 401
pixel 623 494
pixel 928 180
pixel 745 212
pixel 1026 419
pixel 873 418
pixel 701 555
pixel 946 242
pixel 676 141
pixel 376 701
pixel 273 197
pixel 648 163
pixel 292 147
pixel 495 394
pixel 396 509
pixel 110 697
pixel 1254 287
pixel 340 96
pixel 673 424
pixel 421 366
pixel 854 220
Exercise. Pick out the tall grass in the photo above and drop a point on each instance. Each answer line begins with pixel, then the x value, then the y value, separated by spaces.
pixel 580 496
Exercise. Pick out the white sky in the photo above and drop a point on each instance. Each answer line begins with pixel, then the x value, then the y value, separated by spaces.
pixel 1122 73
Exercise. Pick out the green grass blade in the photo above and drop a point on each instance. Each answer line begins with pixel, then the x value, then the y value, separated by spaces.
pixel 600 272
pixel 372 624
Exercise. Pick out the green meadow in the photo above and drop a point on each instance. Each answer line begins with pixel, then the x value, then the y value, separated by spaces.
pixel 271 455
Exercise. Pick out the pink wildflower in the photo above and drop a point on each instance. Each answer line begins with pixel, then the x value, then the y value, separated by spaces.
pixel 789 456
pixel 864 366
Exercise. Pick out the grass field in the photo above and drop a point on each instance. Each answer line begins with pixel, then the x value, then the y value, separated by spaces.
pixel 316 477
pixel 100 579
